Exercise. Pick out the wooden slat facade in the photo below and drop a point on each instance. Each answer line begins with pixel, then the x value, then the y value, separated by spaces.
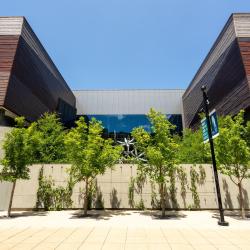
pixel 226 76
pixel 30 83
pixel 244 45
pixel 8 46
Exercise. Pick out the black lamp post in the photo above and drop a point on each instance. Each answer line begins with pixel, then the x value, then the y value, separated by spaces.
pixel 221 221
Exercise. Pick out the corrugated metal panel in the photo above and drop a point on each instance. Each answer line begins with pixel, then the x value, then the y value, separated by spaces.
pixel 101 102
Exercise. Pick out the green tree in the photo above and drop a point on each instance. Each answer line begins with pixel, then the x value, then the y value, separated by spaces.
pixel 89 153
pixel 192 150
pixel 46 139
pixel 16 160
pixel 160 151
pixel 52 197
pixel 233 152
pixel 247 136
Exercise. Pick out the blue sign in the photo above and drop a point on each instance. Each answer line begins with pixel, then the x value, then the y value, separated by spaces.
pixel 214 126
pixel 204 129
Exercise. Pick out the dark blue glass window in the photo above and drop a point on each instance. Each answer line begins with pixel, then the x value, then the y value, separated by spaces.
pixel 120 126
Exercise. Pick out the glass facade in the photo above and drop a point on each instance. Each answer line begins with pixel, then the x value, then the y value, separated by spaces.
pixel 120 126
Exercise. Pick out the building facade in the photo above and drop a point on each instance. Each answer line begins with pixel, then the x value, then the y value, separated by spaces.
pixel 225 72
pixel 122 110
pixel 30 83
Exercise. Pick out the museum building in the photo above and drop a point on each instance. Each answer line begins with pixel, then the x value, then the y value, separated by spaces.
pixel 122 110
pixel 31 84
pixel 225 72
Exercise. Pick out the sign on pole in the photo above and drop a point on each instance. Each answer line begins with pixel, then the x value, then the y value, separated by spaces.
pixel 214 126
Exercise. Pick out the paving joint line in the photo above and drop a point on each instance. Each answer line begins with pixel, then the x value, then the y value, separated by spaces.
pixel 106 238
pixel 60 243
pixel 242 238
pixel 45 239
pixel 185 238
pixel 126 238
pixel 145 234
pixel 165 237
pixel 86 237
pixel 211 242
pixel 195 231
pixel 10 228
pixel 14 235
pixel 26 238
pixel 223 236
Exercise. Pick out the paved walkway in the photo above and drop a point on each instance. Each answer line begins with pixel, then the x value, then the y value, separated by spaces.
pixel 122 230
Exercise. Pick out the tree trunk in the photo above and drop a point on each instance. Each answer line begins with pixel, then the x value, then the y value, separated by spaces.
pixel 11 198
pixel 243 215
pixel 163 203
pixel 86 197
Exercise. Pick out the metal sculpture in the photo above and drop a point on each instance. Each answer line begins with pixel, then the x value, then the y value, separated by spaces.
pixel 130 150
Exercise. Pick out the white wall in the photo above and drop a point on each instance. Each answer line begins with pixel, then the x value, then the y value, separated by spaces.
pixel 118 180
pixel 103 102
pixel 3 131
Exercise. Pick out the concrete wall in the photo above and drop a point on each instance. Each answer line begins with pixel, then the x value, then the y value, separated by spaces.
pixel 3 131
pixel 5 188
pixel 113 188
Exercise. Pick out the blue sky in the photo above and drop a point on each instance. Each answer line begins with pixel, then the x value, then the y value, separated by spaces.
pixel 126 43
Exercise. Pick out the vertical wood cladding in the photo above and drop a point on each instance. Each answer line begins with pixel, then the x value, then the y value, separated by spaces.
pixel 244 45
pixel 32 83
pixel 8 45
pixel 227 79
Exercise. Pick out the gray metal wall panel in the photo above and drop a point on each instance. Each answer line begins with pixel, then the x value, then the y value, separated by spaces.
pixel 128 101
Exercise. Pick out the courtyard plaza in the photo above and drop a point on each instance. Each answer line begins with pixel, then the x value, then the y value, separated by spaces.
pixel 120 229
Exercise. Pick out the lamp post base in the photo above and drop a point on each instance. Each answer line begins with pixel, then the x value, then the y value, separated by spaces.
pixel 223 223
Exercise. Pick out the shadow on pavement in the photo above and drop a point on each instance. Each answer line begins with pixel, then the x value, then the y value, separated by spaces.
pixel 99 214
pixel 170 215
pixel 24 214
pixel 233 214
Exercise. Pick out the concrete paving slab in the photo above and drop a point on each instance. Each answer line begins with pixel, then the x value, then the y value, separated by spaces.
pixel 159 246
pixel 204 247
pixel 91 246
pixel 244 246
pixel 67 246
pixel 113 246
pixel 181 247
pixel 122 230
pixel 134 246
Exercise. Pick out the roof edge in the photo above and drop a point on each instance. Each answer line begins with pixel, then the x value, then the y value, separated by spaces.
pixel 127 90
pixel 229 20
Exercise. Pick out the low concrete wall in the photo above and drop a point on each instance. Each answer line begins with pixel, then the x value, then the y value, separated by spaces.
pixel 3 131
pixel 5 190
pixel 113 189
